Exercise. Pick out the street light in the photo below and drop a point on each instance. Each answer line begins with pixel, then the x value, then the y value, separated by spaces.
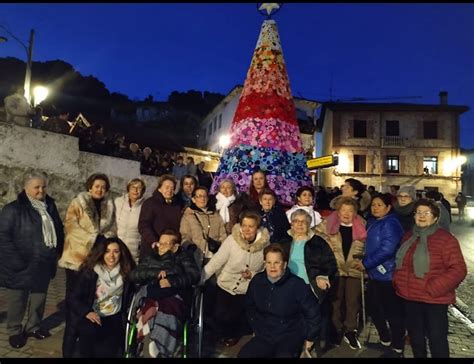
pixel 40 93
pixel 29 56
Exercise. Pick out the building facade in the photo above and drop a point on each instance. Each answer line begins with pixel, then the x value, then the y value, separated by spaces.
pixel 384 144
pixel 216 125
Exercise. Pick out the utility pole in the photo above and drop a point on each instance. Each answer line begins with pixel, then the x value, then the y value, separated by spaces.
pixel 29 58
pixel 29 63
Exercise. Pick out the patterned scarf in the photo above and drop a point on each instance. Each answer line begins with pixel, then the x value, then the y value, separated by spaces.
pixel 222 206
pixel 109 290
pixel 49 233
pixel 421 258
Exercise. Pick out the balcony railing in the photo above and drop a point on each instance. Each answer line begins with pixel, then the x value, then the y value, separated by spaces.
pixel 392 141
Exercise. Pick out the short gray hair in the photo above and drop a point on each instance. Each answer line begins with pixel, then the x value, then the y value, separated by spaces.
pixel 34 175
pixel 301 212
pixel 228 180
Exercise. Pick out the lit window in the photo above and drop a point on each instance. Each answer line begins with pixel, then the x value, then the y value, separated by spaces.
pixel 430 165
pixel 393 164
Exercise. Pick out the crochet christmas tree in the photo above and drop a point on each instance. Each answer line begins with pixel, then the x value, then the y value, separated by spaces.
pixel 264 132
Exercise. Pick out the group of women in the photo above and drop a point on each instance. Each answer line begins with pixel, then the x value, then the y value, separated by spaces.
pixel 309 267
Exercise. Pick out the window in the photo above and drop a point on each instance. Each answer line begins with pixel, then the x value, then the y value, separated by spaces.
pixel 360 128
pixel 430 165
pixel 430 129
pixel 215 123
pixel 203 133
pixel 210 129
pixel 359 163
pixel 220 121
pixel 393 164
pixel 392 128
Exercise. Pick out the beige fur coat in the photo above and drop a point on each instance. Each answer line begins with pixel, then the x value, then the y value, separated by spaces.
pixel 82 226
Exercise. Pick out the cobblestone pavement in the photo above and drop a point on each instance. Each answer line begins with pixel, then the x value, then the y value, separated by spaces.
pixel 460 334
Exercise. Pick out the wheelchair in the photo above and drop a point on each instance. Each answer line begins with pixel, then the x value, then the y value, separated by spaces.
pixel 192 333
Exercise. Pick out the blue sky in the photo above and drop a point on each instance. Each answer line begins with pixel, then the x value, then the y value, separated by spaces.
pixel 357 50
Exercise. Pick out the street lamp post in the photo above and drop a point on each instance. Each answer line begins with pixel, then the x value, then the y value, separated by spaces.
pixel 29 59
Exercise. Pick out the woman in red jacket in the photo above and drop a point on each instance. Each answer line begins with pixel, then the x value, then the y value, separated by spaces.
pixel 429 268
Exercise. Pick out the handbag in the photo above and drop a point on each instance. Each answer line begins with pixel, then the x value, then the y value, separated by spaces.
pixel 212 244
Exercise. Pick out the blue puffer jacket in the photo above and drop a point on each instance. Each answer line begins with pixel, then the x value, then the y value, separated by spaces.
pixel 383 240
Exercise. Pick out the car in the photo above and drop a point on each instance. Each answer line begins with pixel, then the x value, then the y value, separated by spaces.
pixel 469 209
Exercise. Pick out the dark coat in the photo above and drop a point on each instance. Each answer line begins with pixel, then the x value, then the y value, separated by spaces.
pixel 181 270
pixel 276 223
pixel 22 247
pixel 286 307
pixel 84 293
pixel 155 216
pixel 319 260
pixel 405 215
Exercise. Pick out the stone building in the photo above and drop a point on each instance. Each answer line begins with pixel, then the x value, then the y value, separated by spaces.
pixel 217 123
pixel 385 144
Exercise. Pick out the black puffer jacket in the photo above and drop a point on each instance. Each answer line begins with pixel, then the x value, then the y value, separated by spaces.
pixel 21 243
pixel 181 270
pixel 278 309
pixel 319 260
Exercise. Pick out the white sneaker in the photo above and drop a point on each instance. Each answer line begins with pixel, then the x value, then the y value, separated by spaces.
pixel 386 343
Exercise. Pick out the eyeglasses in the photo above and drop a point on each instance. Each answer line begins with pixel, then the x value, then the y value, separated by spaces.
pixel 299 221
pixel 166 243
pixel 404 196
pixel 201 196
pixel 423 213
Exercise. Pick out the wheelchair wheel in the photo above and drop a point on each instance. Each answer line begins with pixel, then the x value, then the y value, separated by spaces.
pixel 131 345
pixel 193 335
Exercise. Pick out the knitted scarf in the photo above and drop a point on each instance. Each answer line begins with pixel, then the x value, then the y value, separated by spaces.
pixel 404 210
pixel 49 233
pixel 421 258
pixel 222 206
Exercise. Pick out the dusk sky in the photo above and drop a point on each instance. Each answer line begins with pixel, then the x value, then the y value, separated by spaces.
pixel 370 51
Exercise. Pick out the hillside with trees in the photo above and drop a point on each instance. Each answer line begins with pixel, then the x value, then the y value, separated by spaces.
pixel 71 91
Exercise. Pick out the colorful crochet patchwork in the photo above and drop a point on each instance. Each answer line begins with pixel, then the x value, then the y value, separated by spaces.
pixel 264 132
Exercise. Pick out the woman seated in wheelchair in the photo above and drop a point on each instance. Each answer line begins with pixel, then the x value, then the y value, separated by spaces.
pixel 167 276
pixel 101 297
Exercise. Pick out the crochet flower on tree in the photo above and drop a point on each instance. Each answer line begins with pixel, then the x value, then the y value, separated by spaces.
pixel 264 132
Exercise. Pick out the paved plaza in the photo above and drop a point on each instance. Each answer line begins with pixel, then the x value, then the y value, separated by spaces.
pixel 460 334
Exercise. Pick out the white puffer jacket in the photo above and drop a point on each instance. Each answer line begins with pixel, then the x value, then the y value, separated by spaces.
pixel 234 256
pixel 127 223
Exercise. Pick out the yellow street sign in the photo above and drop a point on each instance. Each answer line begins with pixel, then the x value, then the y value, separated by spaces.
pixel 321 162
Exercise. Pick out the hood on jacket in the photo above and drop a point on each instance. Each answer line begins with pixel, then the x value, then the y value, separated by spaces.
pixel 261 241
